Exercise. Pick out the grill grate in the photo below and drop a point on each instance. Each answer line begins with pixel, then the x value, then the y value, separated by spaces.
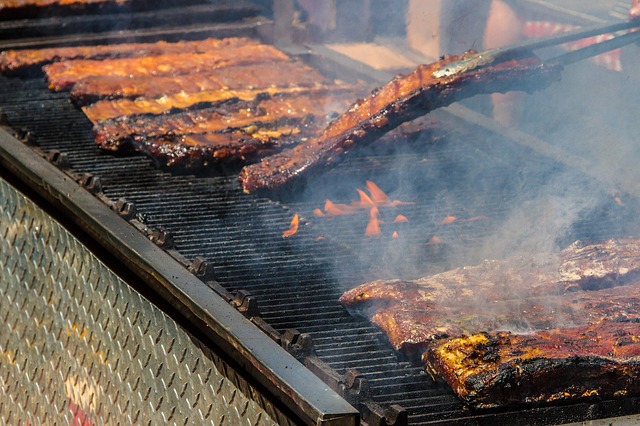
pixel 298 280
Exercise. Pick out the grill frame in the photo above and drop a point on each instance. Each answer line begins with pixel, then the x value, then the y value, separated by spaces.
pixel 66 197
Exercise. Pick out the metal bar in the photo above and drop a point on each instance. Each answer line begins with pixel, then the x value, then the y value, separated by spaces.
pixel 594 49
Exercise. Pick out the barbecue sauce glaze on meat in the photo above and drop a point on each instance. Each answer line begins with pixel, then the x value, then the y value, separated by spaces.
pixel 63 75
pixel 496 369
pixel 229 132
pixel 15 62
pixel 404 98
pixel 254 76
pixel 458 316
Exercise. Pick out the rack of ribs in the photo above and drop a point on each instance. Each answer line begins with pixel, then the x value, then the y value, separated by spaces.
pixel 414 313
pixel 314 106
pixel 404 98
pixel 107 109
pixel 600 360
pixel 14 62
pixel 520 331
pixel 63 75
pixel 255 76
pixel 197 151
pixel 414 328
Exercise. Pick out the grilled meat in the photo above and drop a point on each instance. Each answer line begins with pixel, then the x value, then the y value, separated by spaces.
pixel 15 9
pixel 63 75
pixel 255 76
pixel 104 110
pixel 577 267
pixel 312 106
pixel 496 369
pixel 193 152
pixel 20 61
pixel 452 303
pixel 415 327
pixel 404 98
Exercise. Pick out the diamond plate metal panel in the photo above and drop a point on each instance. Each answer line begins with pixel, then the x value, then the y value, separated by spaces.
pixel 79 346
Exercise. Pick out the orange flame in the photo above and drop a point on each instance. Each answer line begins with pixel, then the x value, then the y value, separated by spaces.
pixel 365 200
pixel 448 220
pixel 434 240
pixel 375 198
pixel 395 234
pixel 332 209
pixel 377 195
pixel 293 228
pixel 373 227
pixel 400 218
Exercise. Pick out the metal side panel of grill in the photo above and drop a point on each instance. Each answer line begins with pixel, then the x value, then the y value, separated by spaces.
pixel 78 343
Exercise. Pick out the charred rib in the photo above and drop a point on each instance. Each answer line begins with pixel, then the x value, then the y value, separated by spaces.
pixel 497 369
pixel 194 152
pixel 312 108
pixel 404 98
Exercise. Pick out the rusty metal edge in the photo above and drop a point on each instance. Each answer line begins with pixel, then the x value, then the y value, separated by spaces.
pixel 270 365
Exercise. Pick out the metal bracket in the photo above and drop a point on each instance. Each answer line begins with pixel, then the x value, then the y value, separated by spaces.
pixel 201 268
pixel 91 183
pixel 161 238
pixel 245 303
pixel 59 159
pixel 356 389
pixel 124 208
pixel 300 345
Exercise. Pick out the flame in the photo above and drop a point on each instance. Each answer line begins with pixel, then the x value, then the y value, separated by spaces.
pixel 434 241
pixel 371 198
pixel 400 218
pixel 293 228
pixel 375 198
pixel 395 234
pixel 365 200
pixel 448 220
pixel 377 195
pixel 332 209
pixel 373 227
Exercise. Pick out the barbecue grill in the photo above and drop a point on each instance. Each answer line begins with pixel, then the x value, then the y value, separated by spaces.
pixel 182 299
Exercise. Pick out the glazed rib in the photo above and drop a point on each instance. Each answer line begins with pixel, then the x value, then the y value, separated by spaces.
pixel 63 75
pixel 601 360
pixel 404 98
pixel 197 151
pixel 414 313
pixel 20 61
pixel 414 327
pixel 108 109
pixel 313 105
pixel 255 76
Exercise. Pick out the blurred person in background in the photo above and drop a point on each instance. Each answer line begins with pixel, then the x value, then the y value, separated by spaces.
pixel 634 13
pixel 481 25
